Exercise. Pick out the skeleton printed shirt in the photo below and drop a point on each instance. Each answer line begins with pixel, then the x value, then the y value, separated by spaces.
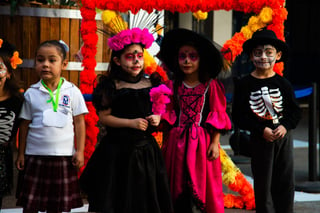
pixel 9 112
pixel 260 103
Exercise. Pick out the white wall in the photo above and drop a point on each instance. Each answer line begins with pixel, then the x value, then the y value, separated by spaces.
pixel 222 26
pixel 185 20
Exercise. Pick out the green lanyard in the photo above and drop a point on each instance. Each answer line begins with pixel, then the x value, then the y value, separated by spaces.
pixel 54 102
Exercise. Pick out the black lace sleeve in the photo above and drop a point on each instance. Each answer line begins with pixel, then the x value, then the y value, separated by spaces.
pixel 103 93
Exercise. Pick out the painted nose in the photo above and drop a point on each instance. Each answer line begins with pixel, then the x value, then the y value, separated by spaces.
pixel 264 55
pixel 135 60
pixel 187 60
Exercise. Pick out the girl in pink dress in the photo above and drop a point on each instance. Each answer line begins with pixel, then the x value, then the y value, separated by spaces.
pixel 196 118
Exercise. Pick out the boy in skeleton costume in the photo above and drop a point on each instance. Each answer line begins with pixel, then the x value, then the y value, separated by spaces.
pixel 264 104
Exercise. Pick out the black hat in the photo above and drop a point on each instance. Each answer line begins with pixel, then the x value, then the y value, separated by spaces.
pixel 174 39
pixel 262 37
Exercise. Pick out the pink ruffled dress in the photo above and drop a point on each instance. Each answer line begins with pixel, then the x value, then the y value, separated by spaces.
pixel 202 110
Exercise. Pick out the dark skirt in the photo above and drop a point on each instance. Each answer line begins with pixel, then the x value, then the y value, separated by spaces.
pixel 49 183
pixel 6 169
pixel 127 177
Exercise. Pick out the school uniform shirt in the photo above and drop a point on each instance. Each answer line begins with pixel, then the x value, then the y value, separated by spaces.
pixel 52 133
pixel 265 102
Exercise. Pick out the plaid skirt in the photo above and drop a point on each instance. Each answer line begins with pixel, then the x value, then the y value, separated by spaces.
pixel 49 183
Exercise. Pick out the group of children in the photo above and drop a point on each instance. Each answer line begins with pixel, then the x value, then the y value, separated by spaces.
pixel 128 171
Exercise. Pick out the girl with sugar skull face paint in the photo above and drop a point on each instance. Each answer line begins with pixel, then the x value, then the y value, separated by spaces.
pixel 126 171
pixel 10 105
pixel 196 119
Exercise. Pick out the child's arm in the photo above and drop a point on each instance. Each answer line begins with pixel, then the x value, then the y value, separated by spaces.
pixel 107 119
pixel 213 149
pixel 80 132
pixel 23 132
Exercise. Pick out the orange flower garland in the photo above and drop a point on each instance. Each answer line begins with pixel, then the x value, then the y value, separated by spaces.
pixel 235 180
pixel 88 76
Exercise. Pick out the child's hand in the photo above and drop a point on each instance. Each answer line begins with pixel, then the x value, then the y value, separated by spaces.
pixel 20 162
pixel 268 135
pixel 139 123
pixel 78 159
pixel 280 132
pixel 154 119
pixel 213 151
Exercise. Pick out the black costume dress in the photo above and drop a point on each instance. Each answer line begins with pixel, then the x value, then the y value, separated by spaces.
pixel 126 172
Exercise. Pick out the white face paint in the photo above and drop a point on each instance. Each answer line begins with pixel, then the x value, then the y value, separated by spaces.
pixel 3 69
pixel 264 56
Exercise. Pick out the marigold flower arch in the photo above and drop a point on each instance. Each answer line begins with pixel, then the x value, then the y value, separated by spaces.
pixel 270 14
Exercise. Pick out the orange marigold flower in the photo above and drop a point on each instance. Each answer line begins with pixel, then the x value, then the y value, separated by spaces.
pixel 238 202
pixel 15 60
pixel 229 200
